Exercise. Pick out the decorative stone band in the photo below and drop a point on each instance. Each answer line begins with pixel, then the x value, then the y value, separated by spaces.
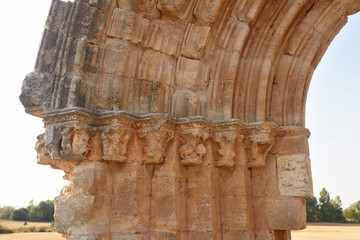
pixel 77 135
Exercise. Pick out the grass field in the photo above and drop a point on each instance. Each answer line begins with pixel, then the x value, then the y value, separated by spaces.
pixel 314 231
pixel 32 236
pixel 19 224
pixel 328 231
pixel 29 235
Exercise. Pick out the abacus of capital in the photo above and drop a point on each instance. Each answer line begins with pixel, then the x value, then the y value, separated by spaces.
pixel 180 119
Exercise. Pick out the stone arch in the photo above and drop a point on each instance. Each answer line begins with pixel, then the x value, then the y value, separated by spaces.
pixel 192 106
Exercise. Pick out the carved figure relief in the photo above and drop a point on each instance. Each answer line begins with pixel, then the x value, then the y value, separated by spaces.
pixel 115 140
pixel 154 143
pixel 226 151
pixel 260 145
pixel 192 149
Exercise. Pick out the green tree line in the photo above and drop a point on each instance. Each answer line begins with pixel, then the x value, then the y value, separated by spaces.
pixel 329 210
pixel 42 212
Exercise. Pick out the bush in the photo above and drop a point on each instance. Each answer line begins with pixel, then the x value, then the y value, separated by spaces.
pixel 4 230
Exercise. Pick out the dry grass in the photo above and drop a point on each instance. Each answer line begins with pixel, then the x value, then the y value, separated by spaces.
pixel 31 236
pixel 19 224
pixel 328 231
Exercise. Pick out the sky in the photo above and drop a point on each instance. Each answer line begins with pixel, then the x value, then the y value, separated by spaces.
pixel 333 112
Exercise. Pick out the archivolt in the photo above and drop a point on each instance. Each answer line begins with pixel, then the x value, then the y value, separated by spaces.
pixel 219 59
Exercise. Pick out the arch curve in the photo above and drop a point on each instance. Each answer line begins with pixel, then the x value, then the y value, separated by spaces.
pixel 249 60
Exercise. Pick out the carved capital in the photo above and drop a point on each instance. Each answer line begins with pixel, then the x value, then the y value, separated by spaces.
pixel 115 139
pixel 192 148
pixel 260 145
pixel 226 151
pixel 155 139
pixel 43 154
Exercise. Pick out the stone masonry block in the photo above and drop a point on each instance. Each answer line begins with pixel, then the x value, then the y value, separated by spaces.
pixel 128 25
pixel 234 213
pixel 194 41
pixel 291 145
pixel 121 59
pixel 156 66
pixel 207 11
pixel 164 37
pixel 191 74
pixel 91 178
pixel 286 214
pixel 294 175
pixel 180 9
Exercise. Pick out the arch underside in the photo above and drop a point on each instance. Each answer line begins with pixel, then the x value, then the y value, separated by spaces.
pixel 246 60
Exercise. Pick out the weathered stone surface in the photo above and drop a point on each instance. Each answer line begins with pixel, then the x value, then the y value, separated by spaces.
pixel 294 175
pixel 177 119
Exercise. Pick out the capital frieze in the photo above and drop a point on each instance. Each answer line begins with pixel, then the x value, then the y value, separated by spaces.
pixel 72 136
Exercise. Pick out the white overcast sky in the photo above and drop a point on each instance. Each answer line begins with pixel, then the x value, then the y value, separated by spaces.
pixel 333 112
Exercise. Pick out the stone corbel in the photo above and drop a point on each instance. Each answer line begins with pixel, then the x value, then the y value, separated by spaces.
pixel 53 141
pixel 260 145
pixel 226 152
pixel 115 139
pixel 155 139
pixel 43 154
pixel 192 149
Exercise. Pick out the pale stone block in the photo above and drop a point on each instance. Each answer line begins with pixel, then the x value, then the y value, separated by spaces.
pixel 195 40
pixel 91 178
pixel 79 214
pixel 294 175
pixel 128 25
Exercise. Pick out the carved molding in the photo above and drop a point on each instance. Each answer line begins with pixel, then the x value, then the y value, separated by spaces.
pixel 77 135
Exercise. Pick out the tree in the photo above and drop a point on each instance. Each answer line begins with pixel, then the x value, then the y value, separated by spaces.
pixel 312 209
pixel 352 213
pixel 330 209
pixel 337 211
pixel 20 215
pixel 43 212
pixel 6 212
